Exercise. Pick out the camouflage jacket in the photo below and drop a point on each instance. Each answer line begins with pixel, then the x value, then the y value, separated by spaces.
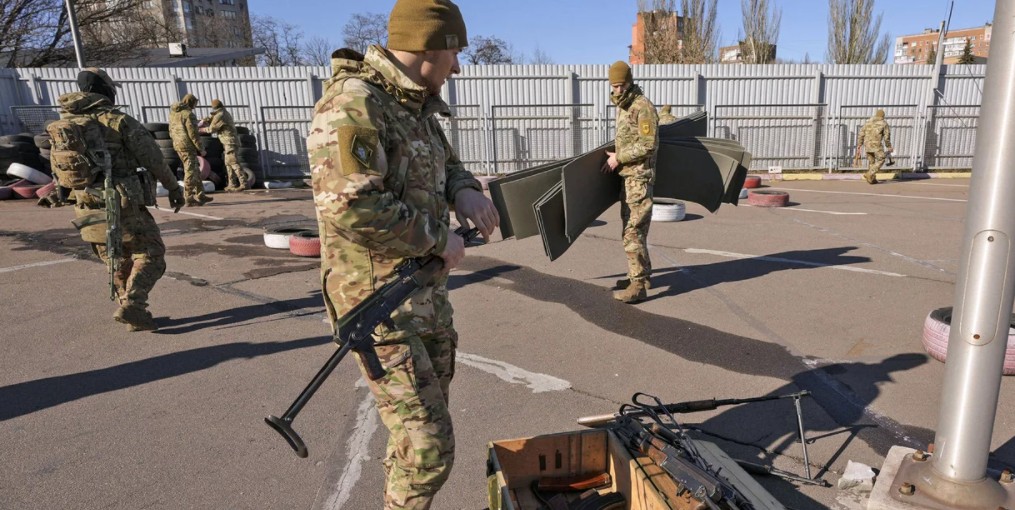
pixel 130 145
pixel 872 134
pixel 637 142
pixel 666 118
pixel 222 123
pixel 384 178
pixel 183 128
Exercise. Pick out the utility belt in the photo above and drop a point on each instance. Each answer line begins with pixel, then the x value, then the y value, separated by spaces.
pixel 137 191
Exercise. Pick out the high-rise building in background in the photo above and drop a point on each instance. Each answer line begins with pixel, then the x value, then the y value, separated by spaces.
pixel 920 48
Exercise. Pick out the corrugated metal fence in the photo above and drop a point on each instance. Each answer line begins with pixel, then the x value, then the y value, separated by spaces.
pixel 510 117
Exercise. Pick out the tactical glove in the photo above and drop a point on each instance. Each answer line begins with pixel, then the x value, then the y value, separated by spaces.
pixel 176 200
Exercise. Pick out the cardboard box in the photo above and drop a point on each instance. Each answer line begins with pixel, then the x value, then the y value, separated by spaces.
pixel 514 464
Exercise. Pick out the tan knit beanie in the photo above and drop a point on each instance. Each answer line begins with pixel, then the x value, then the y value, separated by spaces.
pixel 620 72
pixel 421 25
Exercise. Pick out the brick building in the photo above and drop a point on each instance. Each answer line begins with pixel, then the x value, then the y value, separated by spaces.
pixel 918 48
pixel 666 21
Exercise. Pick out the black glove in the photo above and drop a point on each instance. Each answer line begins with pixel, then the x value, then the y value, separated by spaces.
pixel 176 200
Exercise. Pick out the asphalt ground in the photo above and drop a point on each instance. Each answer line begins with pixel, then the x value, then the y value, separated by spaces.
pixel 828 295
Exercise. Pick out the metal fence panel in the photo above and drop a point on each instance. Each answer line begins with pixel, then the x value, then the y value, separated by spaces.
pixel 951 136
pixel 904 123
pixel 467 130
pixel 525 136
pixel 792 136
pixel 284 140
pixel 609 123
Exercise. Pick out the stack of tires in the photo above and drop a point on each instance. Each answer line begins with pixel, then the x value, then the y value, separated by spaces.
pixel 214 153
pixel 21 148
pixel 248 155
pixel 160 131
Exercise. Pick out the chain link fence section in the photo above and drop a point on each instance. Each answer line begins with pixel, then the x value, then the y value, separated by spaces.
pixel 791 136
pixel 904 123
pixel 467 132
pixel 951 136
pixel 529 135
pixel 33 119
pixel 284 140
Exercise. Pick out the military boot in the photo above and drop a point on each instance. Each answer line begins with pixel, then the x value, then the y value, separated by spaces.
pixel 204 199
pixel 634 293
pixel 870 178
pixel 623 284
pixel 136 318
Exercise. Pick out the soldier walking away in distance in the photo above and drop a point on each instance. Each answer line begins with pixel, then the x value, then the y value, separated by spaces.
pixel 666 115
pixel 874 132
pixel 634 160
pixel 384 179
pixel 221 123
pixel 187 143
pixel 129 146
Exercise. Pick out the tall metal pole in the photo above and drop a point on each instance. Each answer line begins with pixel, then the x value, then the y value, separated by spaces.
pixel 984 294
pixel 72 18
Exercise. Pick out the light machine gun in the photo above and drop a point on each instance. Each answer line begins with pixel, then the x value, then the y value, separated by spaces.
pixel 355 330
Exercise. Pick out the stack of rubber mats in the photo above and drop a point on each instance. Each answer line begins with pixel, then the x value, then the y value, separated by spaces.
pixel 559 200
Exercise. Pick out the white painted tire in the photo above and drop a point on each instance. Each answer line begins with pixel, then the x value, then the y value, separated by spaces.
pixel 278 237
pixel 743 193
pixel 937 328
pixel 27 172
pixel 668 210
pixel 251 177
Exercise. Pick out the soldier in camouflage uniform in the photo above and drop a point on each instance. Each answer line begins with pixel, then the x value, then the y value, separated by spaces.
pixel 221 122
pixel 634 160
pixel 384 179
pixel 666 115
pixel 874 132
pixel 187 143
pixel 130 146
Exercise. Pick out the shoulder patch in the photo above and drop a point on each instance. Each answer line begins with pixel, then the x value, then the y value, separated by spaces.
pixel 645 126
pixel 356 146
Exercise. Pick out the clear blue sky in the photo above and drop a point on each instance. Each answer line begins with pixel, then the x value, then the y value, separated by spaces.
pixel 599 31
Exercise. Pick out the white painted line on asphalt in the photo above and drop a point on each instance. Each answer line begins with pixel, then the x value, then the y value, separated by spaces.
pixel 937 184
pixel 36 264
pixel 185 212
pixel 359 442
pixel 732 255
pixel 870 194
pixel 538 383
pixel 836 213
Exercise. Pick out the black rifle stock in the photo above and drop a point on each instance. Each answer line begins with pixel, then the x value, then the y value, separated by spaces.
pixel 355 333
pixel 114 234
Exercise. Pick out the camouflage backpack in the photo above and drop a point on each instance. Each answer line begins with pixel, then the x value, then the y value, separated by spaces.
pixel 78 151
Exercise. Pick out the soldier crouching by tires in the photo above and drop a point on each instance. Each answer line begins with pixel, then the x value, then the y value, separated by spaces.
pixel 92 137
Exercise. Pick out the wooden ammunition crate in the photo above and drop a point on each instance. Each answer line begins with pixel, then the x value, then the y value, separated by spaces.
pixel 514 464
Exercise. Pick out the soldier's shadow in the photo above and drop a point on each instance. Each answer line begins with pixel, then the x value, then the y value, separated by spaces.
pixel 311 304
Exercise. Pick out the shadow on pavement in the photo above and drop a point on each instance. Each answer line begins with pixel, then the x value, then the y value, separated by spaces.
pixel 220 318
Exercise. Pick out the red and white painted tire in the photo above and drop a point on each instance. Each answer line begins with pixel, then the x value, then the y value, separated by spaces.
pixel 752 181
pixel 768 198
pixel 278 237
pixel 205 167
pixel 45 190
pixel 305 244
pixel 937 327
pixel 27 172
pixel 25 189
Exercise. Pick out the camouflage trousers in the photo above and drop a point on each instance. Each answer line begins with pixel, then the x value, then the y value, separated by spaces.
pixel 636 213
pixel 193 189
pixel 237 177
pixel 143 261
pixel 412 400
pixel 874 161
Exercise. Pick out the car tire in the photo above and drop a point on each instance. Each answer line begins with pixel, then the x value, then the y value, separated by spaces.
pixel 154 127
pixel 25 189
pixel 27 172
pixel 305 244
pixel 668 210
pixel 278 237
pixel 937 328
pixel 752 181
pixel 768 198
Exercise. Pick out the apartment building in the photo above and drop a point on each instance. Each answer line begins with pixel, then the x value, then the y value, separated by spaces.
pixel 666 42
pixel 740 53
pixel 921 48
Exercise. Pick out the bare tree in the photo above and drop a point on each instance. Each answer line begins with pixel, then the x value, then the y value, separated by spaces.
pixel 489 50
pixel 317 51
pixel 282 41
pixel 761 31
pixel 364 29
pixel 540 57
pixel 700 30
pixel 854 33
pixel 35 33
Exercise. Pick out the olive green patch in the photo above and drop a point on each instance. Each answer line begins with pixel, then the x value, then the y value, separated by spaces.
pixel 356 146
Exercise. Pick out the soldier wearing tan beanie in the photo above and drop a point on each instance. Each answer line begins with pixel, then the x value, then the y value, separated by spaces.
pixel 384 193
